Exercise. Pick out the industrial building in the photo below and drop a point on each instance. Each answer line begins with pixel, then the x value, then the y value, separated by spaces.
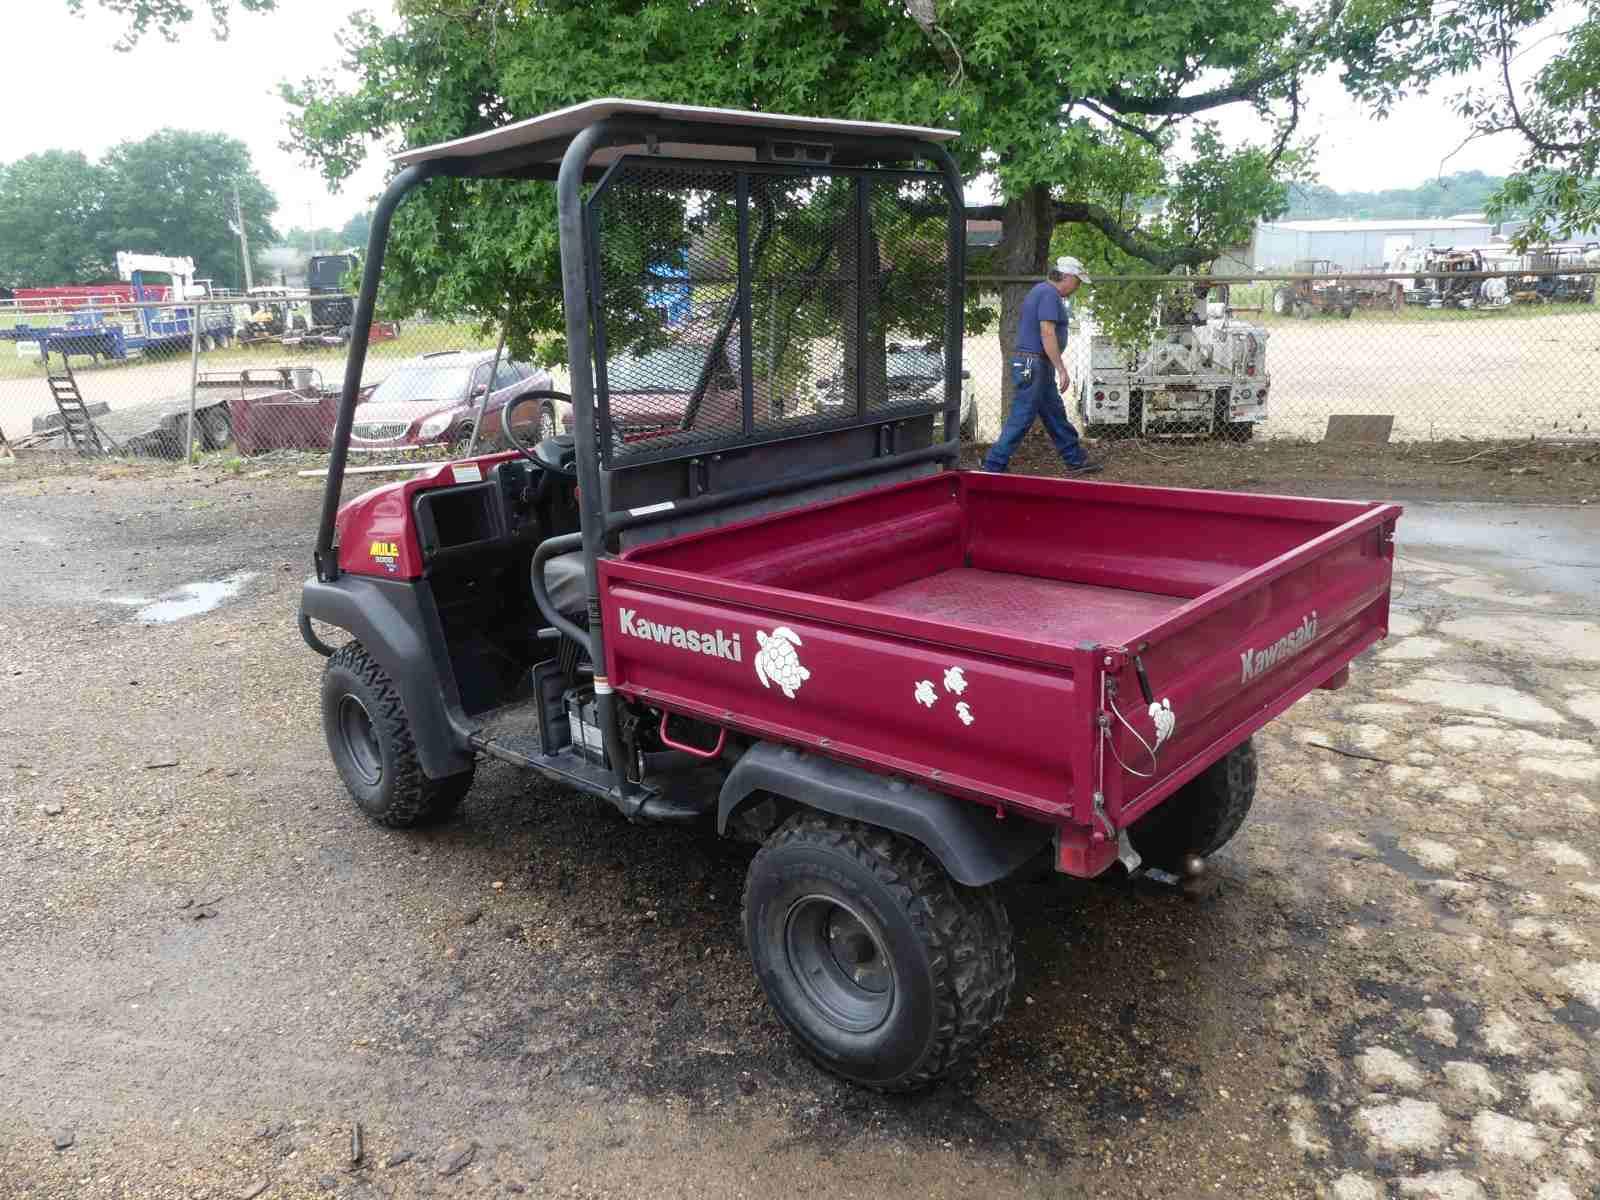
pixel 1356 245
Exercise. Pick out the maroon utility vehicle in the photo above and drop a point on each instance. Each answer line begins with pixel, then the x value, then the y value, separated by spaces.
pixel 796 622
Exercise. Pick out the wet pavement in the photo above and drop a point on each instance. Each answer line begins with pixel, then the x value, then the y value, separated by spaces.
pixel 214 968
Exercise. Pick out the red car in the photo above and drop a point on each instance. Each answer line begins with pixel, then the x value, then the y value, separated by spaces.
pixel 433 400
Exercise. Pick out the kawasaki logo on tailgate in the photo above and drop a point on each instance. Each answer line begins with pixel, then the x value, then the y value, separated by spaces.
pixel 716 643
pixel 1255 662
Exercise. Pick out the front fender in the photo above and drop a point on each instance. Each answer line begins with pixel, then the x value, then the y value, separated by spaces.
pixel 397 623
pixel 970 843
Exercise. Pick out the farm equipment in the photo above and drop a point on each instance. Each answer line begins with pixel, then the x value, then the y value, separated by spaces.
pixel 1445 278
pixel 325 276
pixel 1325 294
pixel 1203 374
pixel 170 331
pixel 803 626
pixel 1546 284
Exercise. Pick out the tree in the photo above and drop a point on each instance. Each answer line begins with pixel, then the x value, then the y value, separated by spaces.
pixel 1080 122
pixel 168 16
pixel 172 193
pixel 1463 192
pixel 323 240
pixel 1555 113
pixel 356 231
pixel 63 218
pixel 49 220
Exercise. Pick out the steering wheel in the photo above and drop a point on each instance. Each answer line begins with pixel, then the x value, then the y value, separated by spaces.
pixel 553 455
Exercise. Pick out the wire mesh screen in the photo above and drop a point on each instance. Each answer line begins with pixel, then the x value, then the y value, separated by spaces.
pixel 742 305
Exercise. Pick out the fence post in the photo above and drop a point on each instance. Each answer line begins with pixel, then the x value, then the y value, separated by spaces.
pixel 194 377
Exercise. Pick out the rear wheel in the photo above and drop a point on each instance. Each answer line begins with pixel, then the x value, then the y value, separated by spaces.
pixel 1201 816
pixel 887 972
pixel 1282 302
pixel 370 739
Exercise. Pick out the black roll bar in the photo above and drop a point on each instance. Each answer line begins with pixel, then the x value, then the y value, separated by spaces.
pixel 596 522
pixel 327 563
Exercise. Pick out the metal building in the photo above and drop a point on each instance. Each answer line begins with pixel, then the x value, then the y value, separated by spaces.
pixel 1357 244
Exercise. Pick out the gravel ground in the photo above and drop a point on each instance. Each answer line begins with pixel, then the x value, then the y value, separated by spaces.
pixel 215 968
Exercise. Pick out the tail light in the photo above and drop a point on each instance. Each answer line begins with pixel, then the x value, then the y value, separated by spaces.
pixel 1099 397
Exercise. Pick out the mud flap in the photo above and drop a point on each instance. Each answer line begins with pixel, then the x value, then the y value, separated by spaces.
pixel 970 843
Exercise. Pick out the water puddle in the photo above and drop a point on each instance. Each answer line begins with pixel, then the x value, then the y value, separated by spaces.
pixel 190 600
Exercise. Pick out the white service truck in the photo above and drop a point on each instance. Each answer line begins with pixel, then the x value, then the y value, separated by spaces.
pixel 1204 374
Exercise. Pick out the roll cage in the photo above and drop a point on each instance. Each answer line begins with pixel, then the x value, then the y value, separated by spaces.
pixel 815 241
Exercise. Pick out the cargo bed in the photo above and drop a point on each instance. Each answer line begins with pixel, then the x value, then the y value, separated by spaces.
pixel 960 628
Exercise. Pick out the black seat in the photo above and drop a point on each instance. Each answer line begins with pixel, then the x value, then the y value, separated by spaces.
pixel 568 584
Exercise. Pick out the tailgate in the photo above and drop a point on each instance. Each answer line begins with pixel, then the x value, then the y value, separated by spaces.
pixel 1233 659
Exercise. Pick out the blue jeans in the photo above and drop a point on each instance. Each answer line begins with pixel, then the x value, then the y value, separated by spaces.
pixel 1034 394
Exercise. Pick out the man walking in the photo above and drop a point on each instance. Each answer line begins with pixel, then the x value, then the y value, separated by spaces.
pixel 1039 375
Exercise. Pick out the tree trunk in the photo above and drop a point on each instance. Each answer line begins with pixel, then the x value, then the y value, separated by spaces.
pixel 858 262
pixel 1024 248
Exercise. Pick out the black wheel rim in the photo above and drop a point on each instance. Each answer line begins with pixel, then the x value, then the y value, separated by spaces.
pixel 360 740
pixel 837 958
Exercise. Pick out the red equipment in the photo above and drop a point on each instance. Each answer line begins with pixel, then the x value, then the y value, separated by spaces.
pixel 790 617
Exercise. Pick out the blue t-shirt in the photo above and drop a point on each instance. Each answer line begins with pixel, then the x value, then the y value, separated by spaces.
pixel 1043 303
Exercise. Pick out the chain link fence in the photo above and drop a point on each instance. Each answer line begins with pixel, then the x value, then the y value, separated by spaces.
pixel 1459 356
pixel 1441 356
pixel 250 377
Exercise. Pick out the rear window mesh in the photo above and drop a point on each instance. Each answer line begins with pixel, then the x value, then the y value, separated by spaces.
pixel 736 305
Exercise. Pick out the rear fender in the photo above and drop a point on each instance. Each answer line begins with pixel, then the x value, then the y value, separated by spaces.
pixel 970 843
pixel 396 622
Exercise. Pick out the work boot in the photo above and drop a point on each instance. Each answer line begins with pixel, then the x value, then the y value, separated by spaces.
pixel 1086 467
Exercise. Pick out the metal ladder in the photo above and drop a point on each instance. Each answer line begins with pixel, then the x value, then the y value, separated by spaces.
pixel 80 428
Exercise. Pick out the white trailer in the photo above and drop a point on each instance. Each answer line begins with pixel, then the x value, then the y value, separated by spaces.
pixel 1203 377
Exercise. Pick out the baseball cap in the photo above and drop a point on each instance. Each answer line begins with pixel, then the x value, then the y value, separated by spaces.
pixel 1068 265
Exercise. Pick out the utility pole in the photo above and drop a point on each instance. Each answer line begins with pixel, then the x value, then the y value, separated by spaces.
pixel 244 240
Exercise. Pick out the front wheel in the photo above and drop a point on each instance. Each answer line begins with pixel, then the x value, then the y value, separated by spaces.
pixel 370 739
pixel 888 972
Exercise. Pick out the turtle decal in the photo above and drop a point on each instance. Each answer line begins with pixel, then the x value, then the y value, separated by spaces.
pixel 777 663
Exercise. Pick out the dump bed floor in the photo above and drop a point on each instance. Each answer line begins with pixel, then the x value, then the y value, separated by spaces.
pixel 1045 609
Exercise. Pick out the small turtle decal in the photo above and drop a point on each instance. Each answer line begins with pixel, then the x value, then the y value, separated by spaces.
pixel 777 663
pixel 1165 719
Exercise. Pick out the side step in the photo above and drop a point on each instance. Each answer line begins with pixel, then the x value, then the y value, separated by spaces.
pixel 511 734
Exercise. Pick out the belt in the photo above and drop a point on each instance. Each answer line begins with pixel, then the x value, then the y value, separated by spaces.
pixel 1029 353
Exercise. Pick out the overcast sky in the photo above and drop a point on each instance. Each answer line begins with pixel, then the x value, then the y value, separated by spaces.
pixel 68 91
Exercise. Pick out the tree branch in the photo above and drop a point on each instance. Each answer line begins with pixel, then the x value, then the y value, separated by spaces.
pixel 1138 131
pixel 1242 89
pixel 1290 125
pixel 1076 212
pixel 1538 142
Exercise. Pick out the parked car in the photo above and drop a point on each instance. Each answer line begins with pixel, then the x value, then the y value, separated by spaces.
pixel 913 371
pixel 650 392
pixel 433 401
